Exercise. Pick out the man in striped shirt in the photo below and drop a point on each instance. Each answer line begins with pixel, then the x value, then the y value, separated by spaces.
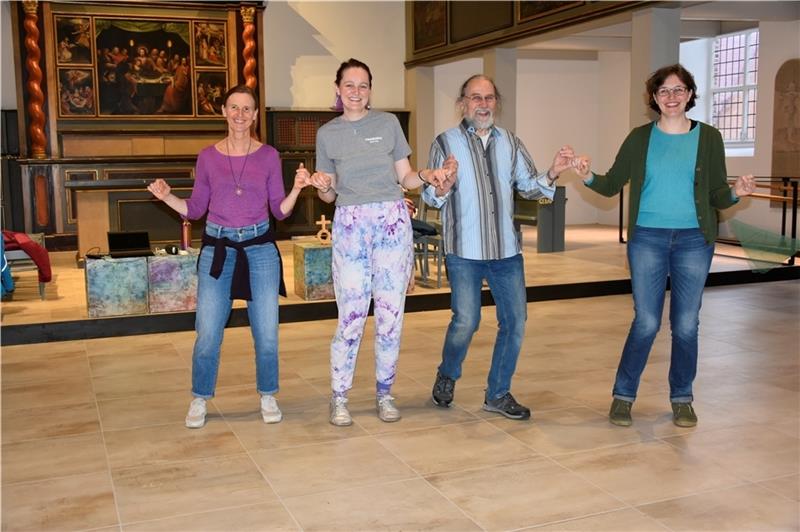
pixel 480 241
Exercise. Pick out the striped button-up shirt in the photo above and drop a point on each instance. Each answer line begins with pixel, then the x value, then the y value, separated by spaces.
pixel 477 214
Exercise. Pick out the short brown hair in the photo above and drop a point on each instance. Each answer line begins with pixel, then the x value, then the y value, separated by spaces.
pixel 657 78
pixel 243 89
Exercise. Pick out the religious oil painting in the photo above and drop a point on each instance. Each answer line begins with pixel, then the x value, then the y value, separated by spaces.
pixel 143 67
pixel 430 24
pixel 76 92
pixel 209 44
pixel 73 40
pixel 211 87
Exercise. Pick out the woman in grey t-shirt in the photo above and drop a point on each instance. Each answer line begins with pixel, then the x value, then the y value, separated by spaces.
pixel 362 164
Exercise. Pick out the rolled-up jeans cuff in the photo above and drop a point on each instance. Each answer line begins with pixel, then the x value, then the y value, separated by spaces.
pixel 682 399
pixel 624 397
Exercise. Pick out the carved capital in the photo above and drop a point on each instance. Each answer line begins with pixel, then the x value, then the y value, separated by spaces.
pixel 30 6
pixel 248 14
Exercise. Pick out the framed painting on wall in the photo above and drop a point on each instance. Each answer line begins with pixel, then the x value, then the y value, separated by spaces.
pixel 143 67
pixel 76 92
pixel 430 24
pixel 211 87
pixel 209 44
pixel 73 40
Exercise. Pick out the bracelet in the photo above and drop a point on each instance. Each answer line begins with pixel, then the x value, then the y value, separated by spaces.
pixel 552 180
pixel 325 191
pixel 419 175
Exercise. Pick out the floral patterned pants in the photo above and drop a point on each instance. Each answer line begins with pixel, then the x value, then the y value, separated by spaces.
pixel 372 259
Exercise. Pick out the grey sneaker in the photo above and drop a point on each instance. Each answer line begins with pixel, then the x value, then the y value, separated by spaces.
pixel 683 415
pixel 340 416
pixel 443 390
pixel 196 417
pixel 620 413
pixel 387 411
pixel 508 406
pixel 269 409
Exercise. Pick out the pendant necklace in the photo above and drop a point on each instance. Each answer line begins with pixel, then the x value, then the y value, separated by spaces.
pixel 238 182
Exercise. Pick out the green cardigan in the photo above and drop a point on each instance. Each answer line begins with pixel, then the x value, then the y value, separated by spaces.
pixel 711 189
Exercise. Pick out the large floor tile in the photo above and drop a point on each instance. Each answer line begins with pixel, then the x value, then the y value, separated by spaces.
pixel 69 503
pixel 523 494
pixel 167 443
pixel 181 488
pixel 753 453
pixel 570 430
pixel 639 473
pixel 155 408
pixel 455 447
pixel 49 422
pixel 255 518
pixel 405 505
pixel 56 393
pixel 788 486
pixel 297 428
pixel 53 457
pixel 330 466
pixel 748 507
pixel 133 385
pixel 109 365
pixel 628 520
pixel 37 370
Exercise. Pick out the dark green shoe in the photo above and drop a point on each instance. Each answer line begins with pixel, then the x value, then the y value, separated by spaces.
pixel 620 413
pixel 683 415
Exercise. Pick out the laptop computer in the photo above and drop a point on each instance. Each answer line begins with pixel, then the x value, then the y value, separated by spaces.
pixel 123 244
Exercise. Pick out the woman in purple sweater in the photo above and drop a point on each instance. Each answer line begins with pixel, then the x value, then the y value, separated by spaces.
pixel 238 182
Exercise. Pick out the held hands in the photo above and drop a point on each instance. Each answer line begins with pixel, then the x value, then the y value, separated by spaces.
pixel 745 185
pixel 301 177
pixel 450 168
pixel 321 181
pixel 561 161
pixel 159 188
pixel 582 166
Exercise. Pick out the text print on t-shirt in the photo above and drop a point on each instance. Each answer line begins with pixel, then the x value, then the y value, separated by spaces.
pixel 373 140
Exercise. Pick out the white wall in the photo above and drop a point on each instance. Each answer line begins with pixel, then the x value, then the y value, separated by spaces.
pixel 304 43
pixel 696 57
pixel 447 82
pixel 558 104
pixel 8 90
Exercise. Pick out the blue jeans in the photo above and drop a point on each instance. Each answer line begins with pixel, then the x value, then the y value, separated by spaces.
pixel 214 308
pixel 506 278
pixel 653 255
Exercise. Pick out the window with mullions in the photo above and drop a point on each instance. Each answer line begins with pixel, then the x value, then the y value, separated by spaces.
pixel 734 87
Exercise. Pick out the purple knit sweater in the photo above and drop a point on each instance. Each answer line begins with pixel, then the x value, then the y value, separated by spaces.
pixel 215 187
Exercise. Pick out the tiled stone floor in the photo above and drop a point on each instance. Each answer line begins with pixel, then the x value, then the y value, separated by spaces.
pixel 93 435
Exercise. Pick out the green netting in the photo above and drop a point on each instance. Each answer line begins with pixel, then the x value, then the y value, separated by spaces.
pixel 765 250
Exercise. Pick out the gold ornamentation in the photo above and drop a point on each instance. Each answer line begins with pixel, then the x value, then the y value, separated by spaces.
pixel 323 235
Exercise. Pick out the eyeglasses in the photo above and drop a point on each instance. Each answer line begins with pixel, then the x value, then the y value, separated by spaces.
pixel 478 99
pixel 678 91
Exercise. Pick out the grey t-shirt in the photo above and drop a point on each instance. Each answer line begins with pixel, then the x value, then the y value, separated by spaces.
pixel 362 155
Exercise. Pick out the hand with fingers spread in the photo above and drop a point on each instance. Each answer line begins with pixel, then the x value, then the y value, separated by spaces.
pixel 745 185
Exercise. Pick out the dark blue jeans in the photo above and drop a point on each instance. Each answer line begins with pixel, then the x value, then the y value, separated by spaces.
pixel 506 279
pixel 214 307
pixel 653 255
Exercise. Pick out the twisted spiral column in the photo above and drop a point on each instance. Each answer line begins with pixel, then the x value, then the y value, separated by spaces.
pixel 34 86
pixel 249 51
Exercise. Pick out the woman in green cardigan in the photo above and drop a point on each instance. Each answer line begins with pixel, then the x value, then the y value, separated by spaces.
pixel 678 180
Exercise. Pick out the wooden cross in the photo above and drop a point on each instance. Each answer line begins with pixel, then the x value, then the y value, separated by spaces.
pixel 323 235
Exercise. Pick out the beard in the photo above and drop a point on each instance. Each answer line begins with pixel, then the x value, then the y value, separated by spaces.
pixel 481 122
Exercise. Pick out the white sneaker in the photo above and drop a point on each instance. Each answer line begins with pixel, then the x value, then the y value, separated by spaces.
pixel 340 416
pixel 269 409
pixel 387 411
pixel 196 417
